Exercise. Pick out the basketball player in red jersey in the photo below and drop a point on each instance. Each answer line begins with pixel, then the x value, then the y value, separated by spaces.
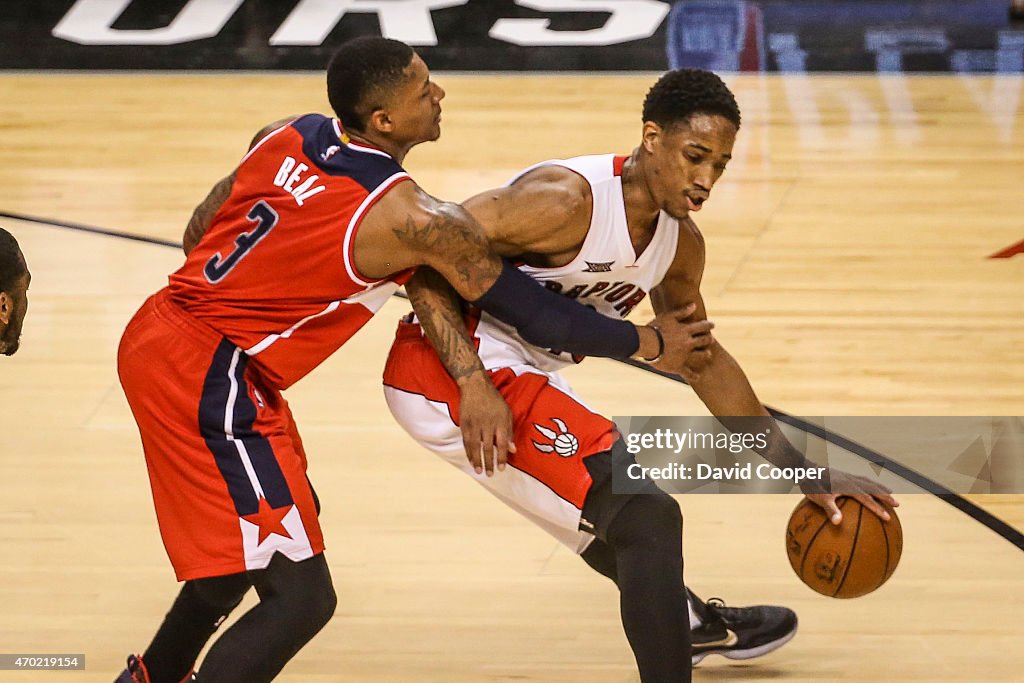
pixel 286 259
pixel 14 281
pixel 603 230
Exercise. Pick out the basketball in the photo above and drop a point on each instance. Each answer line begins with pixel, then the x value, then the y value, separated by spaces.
pixel 848 560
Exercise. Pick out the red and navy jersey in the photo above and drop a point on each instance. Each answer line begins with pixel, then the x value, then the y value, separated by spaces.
pixel 274 272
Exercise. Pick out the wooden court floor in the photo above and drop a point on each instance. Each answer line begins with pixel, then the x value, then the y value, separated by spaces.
pixel 847 273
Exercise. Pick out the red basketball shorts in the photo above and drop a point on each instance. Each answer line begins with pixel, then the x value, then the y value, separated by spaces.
pixel 546 479
pixel 225 460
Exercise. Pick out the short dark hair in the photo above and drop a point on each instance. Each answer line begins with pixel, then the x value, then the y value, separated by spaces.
pixel 680 94
pixel 360 75
pixel 12 263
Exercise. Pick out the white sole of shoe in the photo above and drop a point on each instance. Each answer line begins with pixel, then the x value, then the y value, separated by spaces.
pixel 750 653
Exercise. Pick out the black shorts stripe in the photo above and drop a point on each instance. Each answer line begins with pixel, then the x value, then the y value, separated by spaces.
pixel 227 450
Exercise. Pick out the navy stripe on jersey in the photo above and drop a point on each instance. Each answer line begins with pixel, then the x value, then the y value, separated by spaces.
pixel 225 388
pixel 332 156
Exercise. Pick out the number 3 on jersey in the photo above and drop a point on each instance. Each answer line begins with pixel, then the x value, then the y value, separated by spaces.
pixel 217 267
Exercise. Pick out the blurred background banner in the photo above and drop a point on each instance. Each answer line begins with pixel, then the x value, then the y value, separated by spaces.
pixel 855 35
pixel 518 35
pixel 697 454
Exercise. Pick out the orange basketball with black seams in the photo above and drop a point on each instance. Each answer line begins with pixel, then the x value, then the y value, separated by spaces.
pixel 848 560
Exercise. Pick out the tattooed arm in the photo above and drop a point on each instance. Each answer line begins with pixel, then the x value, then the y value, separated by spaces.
pixel 408 228
pixel 484 417
pixel 204 213
pixel 436 306
pixel 208 208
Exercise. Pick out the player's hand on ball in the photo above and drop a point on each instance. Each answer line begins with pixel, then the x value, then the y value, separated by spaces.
pixel 841 483
pixel 486 423
pixel 687 343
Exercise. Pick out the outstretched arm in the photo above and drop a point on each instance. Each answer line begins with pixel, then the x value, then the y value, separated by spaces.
pixel 723 386
pixel 409 228
pixel 546 214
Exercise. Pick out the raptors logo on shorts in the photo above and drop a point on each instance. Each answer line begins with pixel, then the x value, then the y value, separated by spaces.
pixel 561 442
pixel 546 479
pixel 554 430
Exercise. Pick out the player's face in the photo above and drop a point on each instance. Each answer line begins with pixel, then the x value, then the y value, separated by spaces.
pixel 415 108
pixel 687 159
pixel 13 307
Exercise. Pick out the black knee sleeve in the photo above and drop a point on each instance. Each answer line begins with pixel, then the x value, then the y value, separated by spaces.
pixel 652 519
pixel 297 599
pixel 199 609
pixel 302 592
pixel 646 540
pixel 221 593
pixel 601 558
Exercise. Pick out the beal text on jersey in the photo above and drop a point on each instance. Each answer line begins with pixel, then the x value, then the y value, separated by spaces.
pixel 291 173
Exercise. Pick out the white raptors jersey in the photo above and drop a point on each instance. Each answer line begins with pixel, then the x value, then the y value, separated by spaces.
pixel 606 275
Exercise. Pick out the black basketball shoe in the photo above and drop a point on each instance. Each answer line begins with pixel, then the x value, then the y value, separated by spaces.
pixel 739 632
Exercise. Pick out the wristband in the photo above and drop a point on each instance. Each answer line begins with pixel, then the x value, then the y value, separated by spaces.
pixel 661 347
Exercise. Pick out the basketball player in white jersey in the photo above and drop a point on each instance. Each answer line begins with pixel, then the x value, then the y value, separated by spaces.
pixel 606 231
